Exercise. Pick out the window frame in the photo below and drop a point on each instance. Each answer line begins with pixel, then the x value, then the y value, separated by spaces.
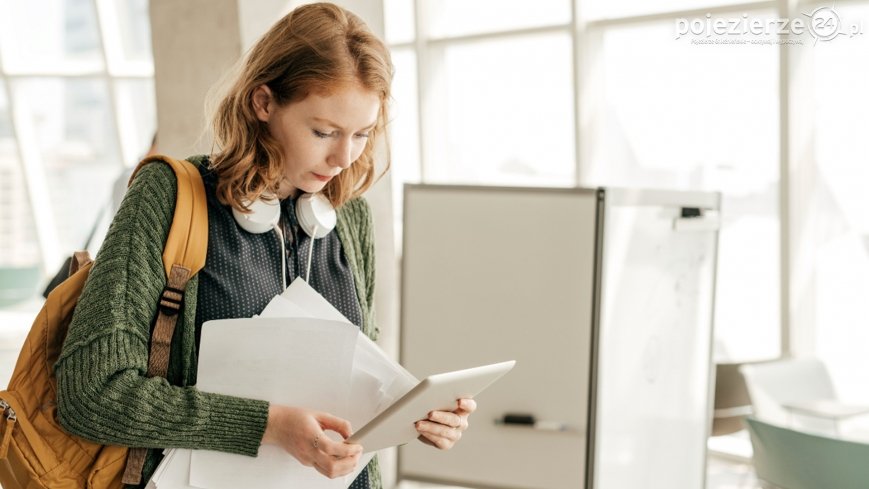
pixel 31 165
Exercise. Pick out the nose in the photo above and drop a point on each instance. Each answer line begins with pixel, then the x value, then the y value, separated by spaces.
pixel 342 154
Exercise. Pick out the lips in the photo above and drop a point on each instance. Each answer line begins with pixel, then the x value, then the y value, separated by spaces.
pixel 322 178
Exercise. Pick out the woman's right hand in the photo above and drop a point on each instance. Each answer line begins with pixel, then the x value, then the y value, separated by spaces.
pixel 301 432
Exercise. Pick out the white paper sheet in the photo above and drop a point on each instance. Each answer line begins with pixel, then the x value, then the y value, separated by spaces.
pixel 281 360
pixel 173 471
pixel 291 361
pixel 309 300
pixel 300 351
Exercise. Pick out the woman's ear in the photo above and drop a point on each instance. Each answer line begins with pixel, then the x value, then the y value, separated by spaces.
pixel 263 102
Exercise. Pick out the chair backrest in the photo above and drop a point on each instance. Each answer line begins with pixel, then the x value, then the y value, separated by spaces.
pixel 732 402
pixel 18 284
pixel 796 460
pixel 772 384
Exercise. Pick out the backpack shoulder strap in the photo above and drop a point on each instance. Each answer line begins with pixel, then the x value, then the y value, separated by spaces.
pixel 188 236
pixel 183 257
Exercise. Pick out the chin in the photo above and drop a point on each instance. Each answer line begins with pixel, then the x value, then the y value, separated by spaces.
pixel 313 188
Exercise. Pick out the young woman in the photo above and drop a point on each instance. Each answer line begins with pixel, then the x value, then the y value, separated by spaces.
pixel 302 117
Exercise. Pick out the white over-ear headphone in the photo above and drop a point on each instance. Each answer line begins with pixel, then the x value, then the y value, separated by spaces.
pixel 262 218
pixel 314 212
pixel 316 215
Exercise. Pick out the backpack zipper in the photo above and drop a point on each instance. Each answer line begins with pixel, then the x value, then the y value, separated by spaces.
pixel 8 411
pixel 11 418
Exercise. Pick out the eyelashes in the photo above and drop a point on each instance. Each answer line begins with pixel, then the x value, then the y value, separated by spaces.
pixel 324 135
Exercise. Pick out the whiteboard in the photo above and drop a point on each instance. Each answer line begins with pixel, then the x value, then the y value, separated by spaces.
pixel 654 337
pixel 491 274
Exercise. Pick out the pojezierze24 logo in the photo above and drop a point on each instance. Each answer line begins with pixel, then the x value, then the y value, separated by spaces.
pixel 822 24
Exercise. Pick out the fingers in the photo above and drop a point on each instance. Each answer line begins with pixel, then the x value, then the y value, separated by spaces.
pixel 442 436
pixel 333 467
pixel 302 433
pixel 336 449
pixel 334 423
pixel 448 418
pixel 440 442
pixel 335 459
pixel 466 406
pixel 444 428
pixel 425 440
pixel 437 429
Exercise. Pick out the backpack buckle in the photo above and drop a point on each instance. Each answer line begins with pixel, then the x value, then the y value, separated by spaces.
pixel 171 301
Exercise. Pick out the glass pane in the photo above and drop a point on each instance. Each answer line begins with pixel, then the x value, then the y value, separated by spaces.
pixel 404 129
pixel 137 117
pixel 404 115
pixel 492 123
pixel 680 116
pixel 18 245
pixel 838 221
pixel 398 21
pixel 604 9
pixel 127 30
pixel 55 36
pixel 445 18
pixel 69 124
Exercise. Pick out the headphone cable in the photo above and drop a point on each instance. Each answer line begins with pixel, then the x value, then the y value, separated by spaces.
pixel 311 254
pixel 283 257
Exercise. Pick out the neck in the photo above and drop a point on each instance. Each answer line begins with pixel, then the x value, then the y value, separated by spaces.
pixel 285 190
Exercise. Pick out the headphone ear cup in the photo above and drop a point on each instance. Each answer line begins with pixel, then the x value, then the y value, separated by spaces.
pixel 314 211
pixel 262 218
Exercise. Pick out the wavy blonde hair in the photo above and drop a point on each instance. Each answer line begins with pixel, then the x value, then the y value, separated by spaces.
pixel 316 48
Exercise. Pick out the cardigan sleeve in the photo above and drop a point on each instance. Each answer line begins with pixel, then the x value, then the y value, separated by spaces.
pixel 356 228
pixel 103 392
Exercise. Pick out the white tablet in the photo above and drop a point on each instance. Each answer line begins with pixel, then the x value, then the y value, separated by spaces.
pixel 395 424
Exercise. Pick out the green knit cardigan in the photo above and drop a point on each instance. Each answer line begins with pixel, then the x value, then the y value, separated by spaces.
pixel 103 392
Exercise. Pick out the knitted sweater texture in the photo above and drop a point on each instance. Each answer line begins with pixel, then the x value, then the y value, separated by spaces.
pixel 104 394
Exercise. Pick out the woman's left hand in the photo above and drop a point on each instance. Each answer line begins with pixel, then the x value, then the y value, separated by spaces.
pixel 443 429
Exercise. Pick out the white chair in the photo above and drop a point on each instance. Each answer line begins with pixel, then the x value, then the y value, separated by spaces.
pixel 798 393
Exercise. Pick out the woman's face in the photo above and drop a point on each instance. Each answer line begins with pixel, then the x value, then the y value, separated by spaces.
pixel 320 135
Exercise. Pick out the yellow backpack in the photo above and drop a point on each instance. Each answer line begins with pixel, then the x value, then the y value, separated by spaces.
pixel 35 451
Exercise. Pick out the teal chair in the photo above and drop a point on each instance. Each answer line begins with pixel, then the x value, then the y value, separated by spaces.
pixel 790 459
pixel 18 284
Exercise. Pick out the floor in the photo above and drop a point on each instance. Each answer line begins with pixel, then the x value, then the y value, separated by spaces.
pixel 721 474
pixel 725 474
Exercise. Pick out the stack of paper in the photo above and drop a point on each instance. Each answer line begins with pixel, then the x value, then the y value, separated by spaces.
pixel 300 352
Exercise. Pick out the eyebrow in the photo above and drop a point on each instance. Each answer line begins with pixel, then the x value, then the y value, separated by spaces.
pixel 327 121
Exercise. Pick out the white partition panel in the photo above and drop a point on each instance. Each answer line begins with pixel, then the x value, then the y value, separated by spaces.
pixel 493 274
pixel 654 340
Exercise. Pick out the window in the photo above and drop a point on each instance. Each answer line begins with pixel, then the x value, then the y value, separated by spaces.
pixel 677 116
pixel 76 108
pixel 17 235
pixel 834 282
pixel 506 115
pixel 595 93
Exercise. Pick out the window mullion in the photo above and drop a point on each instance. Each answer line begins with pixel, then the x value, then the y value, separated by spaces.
pixel 113 101
pixel 671 15
pixel 576 34
pixel 422 87
pixel 784 9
